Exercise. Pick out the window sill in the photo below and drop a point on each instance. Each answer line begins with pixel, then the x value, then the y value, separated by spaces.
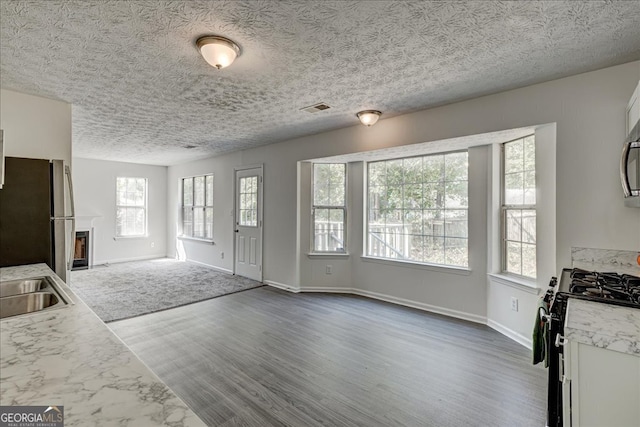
pixel 146 236
pixel 197 239
pixel 520 283
pixel 419 265
pixel 328 255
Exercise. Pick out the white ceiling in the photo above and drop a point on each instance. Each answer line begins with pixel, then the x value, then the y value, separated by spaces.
pixel 142 93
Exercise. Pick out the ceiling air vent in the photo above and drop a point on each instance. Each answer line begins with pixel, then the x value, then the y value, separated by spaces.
pixel 315 108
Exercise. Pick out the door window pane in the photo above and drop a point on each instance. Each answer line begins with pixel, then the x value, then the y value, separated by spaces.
pixel 248 201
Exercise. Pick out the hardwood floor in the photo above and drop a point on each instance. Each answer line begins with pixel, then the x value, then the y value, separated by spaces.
pixel 267 357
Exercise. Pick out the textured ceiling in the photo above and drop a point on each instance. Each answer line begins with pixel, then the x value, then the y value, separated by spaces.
pixel 142 93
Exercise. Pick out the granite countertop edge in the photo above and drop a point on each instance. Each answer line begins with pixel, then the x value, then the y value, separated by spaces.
pixel 69 357
pixel 603 325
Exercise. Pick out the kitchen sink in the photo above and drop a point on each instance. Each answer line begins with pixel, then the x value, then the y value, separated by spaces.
pixel 30 296
pixel 23 286
pixel 26 303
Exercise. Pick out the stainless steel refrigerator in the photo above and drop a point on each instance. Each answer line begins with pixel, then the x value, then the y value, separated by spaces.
pixel 37 222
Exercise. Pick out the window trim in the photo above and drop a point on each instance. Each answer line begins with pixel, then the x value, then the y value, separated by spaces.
pixel 503 214
pixel 418 264
pixel 522 283
pixel 145 209
pixel 181 234
pixel 196 239
pixel 312 249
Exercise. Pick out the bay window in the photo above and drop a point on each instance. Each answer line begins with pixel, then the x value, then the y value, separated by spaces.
pixel 417 209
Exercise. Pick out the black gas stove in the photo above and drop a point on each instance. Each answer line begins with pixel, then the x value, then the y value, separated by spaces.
pixel 602 287
pixel 610 288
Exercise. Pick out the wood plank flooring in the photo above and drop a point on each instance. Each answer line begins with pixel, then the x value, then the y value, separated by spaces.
pixel 265 357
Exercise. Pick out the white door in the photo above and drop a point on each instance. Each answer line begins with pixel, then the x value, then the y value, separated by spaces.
pixel 248 223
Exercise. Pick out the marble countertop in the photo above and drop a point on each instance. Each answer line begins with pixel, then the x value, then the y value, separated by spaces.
pixel 603 325
pixel 69 357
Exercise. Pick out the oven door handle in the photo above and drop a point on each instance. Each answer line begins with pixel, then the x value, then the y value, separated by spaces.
pixel 560 341
pixel 544 317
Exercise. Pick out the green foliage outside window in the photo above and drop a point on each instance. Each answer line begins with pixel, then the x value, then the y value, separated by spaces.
pixel 519 207
pixel 418 209
pixel 329 207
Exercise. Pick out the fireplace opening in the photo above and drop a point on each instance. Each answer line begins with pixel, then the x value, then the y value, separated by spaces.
pixel 81 251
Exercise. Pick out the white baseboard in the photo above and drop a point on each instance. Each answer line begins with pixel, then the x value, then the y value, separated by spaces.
pixel 128 259
pixel 282 286
pixel 213 267
pixel 421 306
pixel 519 338
pixel 383 297
pixel 332 290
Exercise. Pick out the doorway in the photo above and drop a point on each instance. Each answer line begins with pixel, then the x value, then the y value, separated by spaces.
pixel 248 222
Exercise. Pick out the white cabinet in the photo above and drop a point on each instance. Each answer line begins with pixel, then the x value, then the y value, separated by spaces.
pixel 601 387
pixel 633 109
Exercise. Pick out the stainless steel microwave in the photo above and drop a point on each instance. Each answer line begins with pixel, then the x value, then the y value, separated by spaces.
pixel 630 168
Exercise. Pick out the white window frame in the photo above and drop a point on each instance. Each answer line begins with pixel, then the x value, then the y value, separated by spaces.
pixel 342 207
pixel 504 208
pixel 193 207
pixel 144 208
pixel 409 260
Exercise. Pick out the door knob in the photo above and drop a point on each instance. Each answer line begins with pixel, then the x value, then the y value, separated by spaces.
pixel 236 230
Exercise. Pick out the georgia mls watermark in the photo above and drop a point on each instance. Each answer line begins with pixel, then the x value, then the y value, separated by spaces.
pixel 31 416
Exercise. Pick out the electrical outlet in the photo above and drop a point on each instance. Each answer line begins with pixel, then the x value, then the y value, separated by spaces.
pixel 514 303
pixel 221 255
pixel 329 269
pixel 153 244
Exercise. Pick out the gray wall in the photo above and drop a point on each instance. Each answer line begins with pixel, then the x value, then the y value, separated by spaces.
pixel 95 196
pixel 35 127
pixel 588 111
pixel 220 254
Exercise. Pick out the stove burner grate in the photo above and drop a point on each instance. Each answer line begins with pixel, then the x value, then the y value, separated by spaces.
pixel 605 286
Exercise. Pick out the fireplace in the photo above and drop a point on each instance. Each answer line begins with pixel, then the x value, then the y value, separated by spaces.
pixel 81 251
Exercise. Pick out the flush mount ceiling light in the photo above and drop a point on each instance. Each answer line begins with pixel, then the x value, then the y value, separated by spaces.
pixel 218 51
pixel 369 117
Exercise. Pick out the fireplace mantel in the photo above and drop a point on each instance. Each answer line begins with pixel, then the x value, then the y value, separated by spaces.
pixel 85 222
